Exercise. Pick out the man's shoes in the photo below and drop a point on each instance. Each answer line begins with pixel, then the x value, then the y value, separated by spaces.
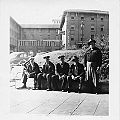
pixel 49 90
pixel 34 89
pixel 64 90
pixel 39 88
pixel 24 86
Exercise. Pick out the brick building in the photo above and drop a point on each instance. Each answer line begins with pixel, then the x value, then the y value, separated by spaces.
pixel 34 37
pixel 81 25
pixel 40 37
pixel 15 34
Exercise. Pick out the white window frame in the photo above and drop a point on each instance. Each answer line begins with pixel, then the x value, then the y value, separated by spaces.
pixel 92 26
pixel 101 18
pixel 72 27
pixel 102 26
pixel 82 17
pixel 73 17
pixel 92 17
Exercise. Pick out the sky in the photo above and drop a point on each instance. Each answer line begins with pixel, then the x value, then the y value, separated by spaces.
pixel 44 11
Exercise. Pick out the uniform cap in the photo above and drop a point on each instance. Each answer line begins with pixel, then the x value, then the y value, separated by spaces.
pixel 91 40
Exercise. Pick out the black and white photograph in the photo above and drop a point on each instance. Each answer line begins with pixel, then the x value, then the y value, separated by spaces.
pixel 59 58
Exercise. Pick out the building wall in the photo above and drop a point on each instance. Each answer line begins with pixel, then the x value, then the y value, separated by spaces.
pixel 15 34
pixel 73 19
pixel 47 39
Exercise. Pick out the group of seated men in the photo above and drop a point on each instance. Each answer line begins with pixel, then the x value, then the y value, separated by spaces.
pixel 59 77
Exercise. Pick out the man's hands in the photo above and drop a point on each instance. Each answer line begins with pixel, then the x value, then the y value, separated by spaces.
pixel 85 68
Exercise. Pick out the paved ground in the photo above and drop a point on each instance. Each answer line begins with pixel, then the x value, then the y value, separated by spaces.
pixel 49 103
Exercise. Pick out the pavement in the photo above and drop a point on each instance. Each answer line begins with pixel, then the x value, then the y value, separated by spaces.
pixel 50 103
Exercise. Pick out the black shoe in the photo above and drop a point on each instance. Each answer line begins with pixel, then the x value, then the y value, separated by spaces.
pixel 24 86
pixel 49 90
pixel 34 89
pixel 64 90
pixel 39 88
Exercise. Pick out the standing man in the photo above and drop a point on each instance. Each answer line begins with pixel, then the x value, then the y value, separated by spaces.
pixel 62 70
pixel 31 71
pixel 47 72
pixel 92 62
pixel 77 74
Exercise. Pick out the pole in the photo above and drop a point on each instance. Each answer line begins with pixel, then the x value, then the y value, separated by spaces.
pixel 82 35
pixel 82 25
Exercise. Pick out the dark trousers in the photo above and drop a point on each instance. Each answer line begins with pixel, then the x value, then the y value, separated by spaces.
pixel 55 82
pixel 60 82
pixel 78 82
pixel 31 76
pixel 48 77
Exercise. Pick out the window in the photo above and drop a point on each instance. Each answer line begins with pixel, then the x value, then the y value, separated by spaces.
pixel 72 37
pixel 92 18
pixel 82 17
pixel 101 18
pixel 72 17
pixel 102 28
pixel 72 27
pixel 92 27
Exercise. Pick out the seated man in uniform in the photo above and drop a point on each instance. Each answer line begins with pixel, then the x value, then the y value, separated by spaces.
pixel 32 70
pixel 77 74
pixel 62 70
pixel 48 71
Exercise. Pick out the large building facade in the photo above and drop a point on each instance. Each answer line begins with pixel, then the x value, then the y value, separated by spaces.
pixel 81 25
pixel 34 37
pixel 40 37
pixel 15 34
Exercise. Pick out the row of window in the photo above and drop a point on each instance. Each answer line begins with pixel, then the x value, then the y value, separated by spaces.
pixel 39 43
pixel 92 27
pixel 33 37
pixel 83 18
pixel 92 36
pixel 40 30
pixel 51 43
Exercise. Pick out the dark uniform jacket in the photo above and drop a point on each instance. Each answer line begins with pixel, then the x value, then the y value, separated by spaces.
pixel 49 69
pixel 62 69
pixel 94 55
pixel 34 69
pixel 79 69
